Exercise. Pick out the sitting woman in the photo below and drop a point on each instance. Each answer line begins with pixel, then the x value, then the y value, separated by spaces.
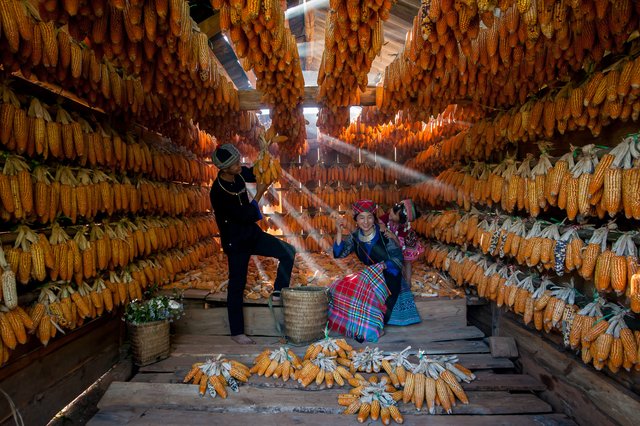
pixel 361 304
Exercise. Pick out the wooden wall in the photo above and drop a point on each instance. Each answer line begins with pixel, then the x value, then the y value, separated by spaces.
pixel 588 396
pixel 46 379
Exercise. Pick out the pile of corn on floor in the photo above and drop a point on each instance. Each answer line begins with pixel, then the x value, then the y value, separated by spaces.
pixel 156 394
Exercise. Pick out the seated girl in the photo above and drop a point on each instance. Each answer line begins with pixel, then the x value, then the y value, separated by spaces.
pixel 363 303
pixel 398 221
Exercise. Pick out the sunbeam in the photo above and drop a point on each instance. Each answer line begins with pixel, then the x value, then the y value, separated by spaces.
pixel 405 172
pixel 305 225
pixel 300 9
pixel 308 260
pixel 308 193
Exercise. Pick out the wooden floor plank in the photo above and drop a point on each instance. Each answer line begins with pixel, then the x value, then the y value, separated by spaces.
pixel 259 320
pixel 398 337
pixel 259 400
pixel 486 381
pixel 203 347
pixel 182 362
pixel 153 417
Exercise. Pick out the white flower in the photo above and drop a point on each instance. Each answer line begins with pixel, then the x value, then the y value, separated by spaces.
pixel 174 305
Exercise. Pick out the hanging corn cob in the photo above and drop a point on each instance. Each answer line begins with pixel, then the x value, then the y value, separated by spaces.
pixel 9 291
pixel 281 362
pixel 558 306
pixel 266 168
pixel 375 398
pixel 582 323
pixel 568 252
pixel 606 347
pixel 623 258
pixel 596 245
pixel 214 375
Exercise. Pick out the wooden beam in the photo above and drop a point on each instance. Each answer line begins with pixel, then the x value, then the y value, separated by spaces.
pixel 251 99
pixel 211 25
pixel 405 9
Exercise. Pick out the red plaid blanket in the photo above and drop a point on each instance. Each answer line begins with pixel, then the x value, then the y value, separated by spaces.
pixel 357 308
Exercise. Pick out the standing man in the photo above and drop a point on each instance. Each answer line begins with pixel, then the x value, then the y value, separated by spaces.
pixel 241 237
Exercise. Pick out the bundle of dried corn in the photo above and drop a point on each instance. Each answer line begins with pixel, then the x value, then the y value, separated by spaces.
pixel 157 41
pixel 607 342
pixel 436 381
pixel 576 183
pixel 497 283
pixel 35 134
pixel 375 398
pixel 330 347
pixel 402 137
pixel 89 192
pixel 505 236
pixel 47 51
pixel 267 168
pixel 237 127
pixel 281 362
pixel 396 365
pixel 214 375
pixel 448 55
pixel 353 38
pixel 343 174
pixel 323 369
pixel 587 106
pixel 330 122
pixel 266 45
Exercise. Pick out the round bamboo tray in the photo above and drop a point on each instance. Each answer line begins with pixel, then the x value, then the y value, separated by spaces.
pixel 149 342
pixel 305 313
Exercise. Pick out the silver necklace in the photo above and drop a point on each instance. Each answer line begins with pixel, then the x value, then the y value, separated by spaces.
pixel 367 238
pixel 237 194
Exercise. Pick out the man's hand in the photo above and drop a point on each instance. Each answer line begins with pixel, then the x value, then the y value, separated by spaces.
pixel 261 188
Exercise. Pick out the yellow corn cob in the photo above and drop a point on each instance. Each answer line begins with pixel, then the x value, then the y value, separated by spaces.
pixel 385 415
pixel 375 409
pixel 589 258
pixel 597 181
pixel 443 395
pixel 17 325
pixel 598 328
pixel 602 276
pixel 629 344
pixel 602 347
pixel 395 414
pixel 419 390
pixel 618 273
pixel 612 195
pixel 7 333
pixel 363 412
pixel 353 408
pixel 10 24
pixel 218 386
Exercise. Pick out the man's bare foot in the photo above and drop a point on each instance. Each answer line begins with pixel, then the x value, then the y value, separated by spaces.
pixel 243 339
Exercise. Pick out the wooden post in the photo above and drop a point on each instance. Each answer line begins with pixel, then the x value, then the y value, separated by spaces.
pixel 496 315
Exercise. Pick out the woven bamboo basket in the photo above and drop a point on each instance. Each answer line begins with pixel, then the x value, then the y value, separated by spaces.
pixel 149 342
pixel 305 313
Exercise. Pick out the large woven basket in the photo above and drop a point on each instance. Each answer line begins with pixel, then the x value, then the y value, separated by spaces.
pixel 149 342
pixel 305 313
